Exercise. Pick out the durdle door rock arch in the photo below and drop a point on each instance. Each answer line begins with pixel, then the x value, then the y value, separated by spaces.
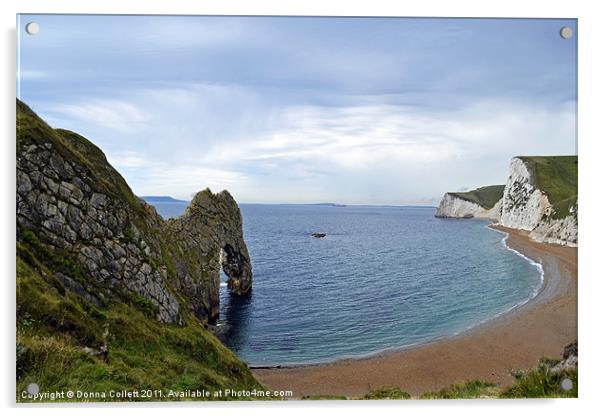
pixel 78 216
pixel 210 233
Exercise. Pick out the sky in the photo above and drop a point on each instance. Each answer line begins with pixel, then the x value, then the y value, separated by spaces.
pixel 392 111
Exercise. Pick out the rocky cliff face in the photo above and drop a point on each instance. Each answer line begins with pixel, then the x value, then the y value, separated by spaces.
pixel 558 231
pixel 527 207
pixel 523 204
pixel 526 200
pixel 77 215
pixel 209 234
pixel 453 206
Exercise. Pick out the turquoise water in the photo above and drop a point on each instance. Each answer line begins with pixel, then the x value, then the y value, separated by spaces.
pixel 383 277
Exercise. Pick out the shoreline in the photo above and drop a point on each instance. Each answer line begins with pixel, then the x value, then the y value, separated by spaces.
pixel 489 351
pixel 390 350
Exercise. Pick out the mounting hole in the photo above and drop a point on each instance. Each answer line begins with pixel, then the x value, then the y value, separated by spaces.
pixel 566 384
pixel 33 389
pixel 566 32
pixel 32 28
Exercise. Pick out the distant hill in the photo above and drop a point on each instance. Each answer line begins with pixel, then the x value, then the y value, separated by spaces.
pixel 155 199
pixel 329 204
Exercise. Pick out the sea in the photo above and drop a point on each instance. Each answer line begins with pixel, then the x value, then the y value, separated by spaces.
pixel 383 278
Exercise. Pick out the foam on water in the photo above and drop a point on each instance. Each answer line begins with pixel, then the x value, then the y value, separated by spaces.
pixel 532 262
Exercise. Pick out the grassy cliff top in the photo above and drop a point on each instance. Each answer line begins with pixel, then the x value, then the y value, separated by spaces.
pixel 73 332
pixel 557 177
pixel 31 129
pixel 485 196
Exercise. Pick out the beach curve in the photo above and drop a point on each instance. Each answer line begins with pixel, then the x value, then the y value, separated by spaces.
pixel 489 352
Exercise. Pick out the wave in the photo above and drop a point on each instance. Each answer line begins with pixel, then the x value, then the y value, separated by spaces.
pixel 532 262
pixel 537 265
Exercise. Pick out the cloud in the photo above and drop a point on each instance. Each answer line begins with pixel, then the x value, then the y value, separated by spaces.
pixel 178 140
pixel 128 159
pixel 112 114
pixel 181 181
pixel 366 137
pixel 302 110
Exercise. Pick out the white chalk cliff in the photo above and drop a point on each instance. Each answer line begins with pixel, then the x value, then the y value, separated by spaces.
pixel 453 206
pixel 523 206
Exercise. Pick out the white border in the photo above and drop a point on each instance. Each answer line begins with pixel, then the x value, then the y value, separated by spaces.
pixel 590 35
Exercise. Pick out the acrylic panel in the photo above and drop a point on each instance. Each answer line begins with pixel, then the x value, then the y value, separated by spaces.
pixel 277 208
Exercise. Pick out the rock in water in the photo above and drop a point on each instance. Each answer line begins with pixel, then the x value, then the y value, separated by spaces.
pixel 76 211
pixel 318 235
pixel 210 231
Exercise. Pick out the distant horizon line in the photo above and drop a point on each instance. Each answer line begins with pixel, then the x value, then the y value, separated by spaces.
pixel 167 198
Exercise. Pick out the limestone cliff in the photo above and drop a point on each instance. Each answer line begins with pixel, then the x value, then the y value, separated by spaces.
pixel 76 214
pixel 209 233
pixel 540 197
pixel 482 202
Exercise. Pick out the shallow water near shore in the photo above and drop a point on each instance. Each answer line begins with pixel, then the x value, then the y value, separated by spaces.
pixel 382 278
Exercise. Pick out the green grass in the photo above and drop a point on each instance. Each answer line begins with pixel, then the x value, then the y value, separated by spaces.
pixel 54 326
pixel 540 382
pixel 557 177
pixel 61 335
pixel 31 129
pixel 387 393
pixel 486 196
pixel 473 389
pixel 104 179
pixel 59 261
